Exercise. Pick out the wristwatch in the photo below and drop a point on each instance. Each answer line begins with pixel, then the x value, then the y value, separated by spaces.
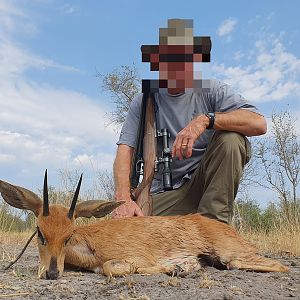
pixel 211 116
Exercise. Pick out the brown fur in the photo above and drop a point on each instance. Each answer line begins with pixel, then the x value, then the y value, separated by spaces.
pixel 139 244
pixel 159 244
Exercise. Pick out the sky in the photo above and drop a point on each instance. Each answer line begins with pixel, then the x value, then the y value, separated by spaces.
pixel 52 108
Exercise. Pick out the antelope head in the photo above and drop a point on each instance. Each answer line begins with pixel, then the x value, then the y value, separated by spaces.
pixel 55 223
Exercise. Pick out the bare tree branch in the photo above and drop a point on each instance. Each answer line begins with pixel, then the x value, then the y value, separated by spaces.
pixel 123 84
pixel 280 158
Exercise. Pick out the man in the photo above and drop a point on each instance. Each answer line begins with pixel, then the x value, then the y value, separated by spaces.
pixel 208 124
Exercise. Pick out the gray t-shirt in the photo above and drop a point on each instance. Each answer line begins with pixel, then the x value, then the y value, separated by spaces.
pixel 174 113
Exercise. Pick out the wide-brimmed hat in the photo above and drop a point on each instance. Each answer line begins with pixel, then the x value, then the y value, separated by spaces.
pixel 178 44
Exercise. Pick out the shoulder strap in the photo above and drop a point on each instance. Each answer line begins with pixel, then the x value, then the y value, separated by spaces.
pixel 138 160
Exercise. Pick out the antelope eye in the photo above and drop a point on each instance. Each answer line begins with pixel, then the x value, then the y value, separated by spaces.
pixel 41 237
pixel 67 240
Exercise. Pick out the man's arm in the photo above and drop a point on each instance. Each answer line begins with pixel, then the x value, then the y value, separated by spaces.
pixel 243 121
pixel 122 167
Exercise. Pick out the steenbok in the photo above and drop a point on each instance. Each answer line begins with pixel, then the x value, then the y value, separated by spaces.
pixel 145 245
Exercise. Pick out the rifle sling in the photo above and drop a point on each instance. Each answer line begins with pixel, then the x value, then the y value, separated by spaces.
pixel 138 154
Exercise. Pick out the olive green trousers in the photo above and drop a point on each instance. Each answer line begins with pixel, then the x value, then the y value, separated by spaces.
pixel 214 184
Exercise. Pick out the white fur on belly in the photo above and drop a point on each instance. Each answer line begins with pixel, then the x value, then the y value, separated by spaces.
pixel 82 249
pixel 84 257
pixel 97 270
pixel 187 262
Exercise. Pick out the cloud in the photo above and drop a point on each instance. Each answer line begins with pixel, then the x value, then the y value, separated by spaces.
pixel 238 55
pixel 14 60
pixel 99 161
pixel 7 158
pixel 42 126
pixel 14 19
pixel 226 27
pixel 69 9
pixel 273 74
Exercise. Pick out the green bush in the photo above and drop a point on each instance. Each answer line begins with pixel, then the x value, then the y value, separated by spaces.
pixel 248 216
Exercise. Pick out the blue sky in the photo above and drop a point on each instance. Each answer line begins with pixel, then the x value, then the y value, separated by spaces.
pixel 52 109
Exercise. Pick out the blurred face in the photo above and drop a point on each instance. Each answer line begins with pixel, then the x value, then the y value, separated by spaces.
pixel 180 75
pixel 176 65
pixel 174 58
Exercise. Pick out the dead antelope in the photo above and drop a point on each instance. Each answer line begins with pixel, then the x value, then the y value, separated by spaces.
pixel 144 245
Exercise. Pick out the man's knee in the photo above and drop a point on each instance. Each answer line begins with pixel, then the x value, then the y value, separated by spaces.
pixel 230 143
pixel 229 140
pixel 222 215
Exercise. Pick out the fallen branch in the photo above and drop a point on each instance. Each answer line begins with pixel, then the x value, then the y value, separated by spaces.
pixel 23 250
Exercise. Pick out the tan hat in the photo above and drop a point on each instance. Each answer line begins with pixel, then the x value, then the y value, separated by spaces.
pixel 179 32
pixel 177 39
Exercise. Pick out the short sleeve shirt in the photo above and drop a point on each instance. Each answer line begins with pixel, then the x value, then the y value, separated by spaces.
pixel 174 112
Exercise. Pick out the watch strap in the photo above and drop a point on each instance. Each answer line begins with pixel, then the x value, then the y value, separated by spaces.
pixel 211 117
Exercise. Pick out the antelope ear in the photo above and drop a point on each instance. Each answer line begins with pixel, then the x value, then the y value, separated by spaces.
pixel 96 208
pixel 20 197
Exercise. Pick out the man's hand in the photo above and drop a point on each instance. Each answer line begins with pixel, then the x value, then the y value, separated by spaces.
pixel 128 209
pixel 122 185
pixel 182 146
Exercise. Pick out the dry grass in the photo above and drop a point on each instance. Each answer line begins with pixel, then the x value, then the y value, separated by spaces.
pixel 284 241
pixel 14 238
pixel 10 296
pixel 13 241
pixel 173 281
pixel 206 282
pixel 135 297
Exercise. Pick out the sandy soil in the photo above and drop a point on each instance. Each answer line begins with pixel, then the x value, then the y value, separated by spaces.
pixel 21 282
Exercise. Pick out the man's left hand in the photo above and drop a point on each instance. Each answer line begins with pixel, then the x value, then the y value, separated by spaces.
pixel 182 146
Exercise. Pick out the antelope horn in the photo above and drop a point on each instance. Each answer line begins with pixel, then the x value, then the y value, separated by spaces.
pixel 73 204
pixel 45 196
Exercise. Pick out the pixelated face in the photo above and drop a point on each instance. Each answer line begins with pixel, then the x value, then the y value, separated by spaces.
pixel 175 63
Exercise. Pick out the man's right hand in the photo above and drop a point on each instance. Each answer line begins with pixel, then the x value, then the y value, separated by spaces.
pixel 128 209
pixel 122 167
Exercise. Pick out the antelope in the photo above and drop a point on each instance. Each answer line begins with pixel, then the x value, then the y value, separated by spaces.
pixel 144 245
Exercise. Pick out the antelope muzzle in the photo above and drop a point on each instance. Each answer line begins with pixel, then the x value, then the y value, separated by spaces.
pixel 53 272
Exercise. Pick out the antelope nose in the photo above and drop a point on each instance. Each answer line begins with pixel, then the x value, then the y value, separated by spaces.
pixel 52 275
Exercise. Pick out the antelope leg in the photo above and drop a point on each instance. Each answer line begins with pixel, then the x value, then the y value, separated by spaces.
pixel 258 263
pixel 116 267
pixel 155 269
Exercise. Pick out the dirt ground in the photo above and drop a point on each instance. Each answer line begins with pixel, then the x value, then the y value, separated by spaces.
pixel 21 282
